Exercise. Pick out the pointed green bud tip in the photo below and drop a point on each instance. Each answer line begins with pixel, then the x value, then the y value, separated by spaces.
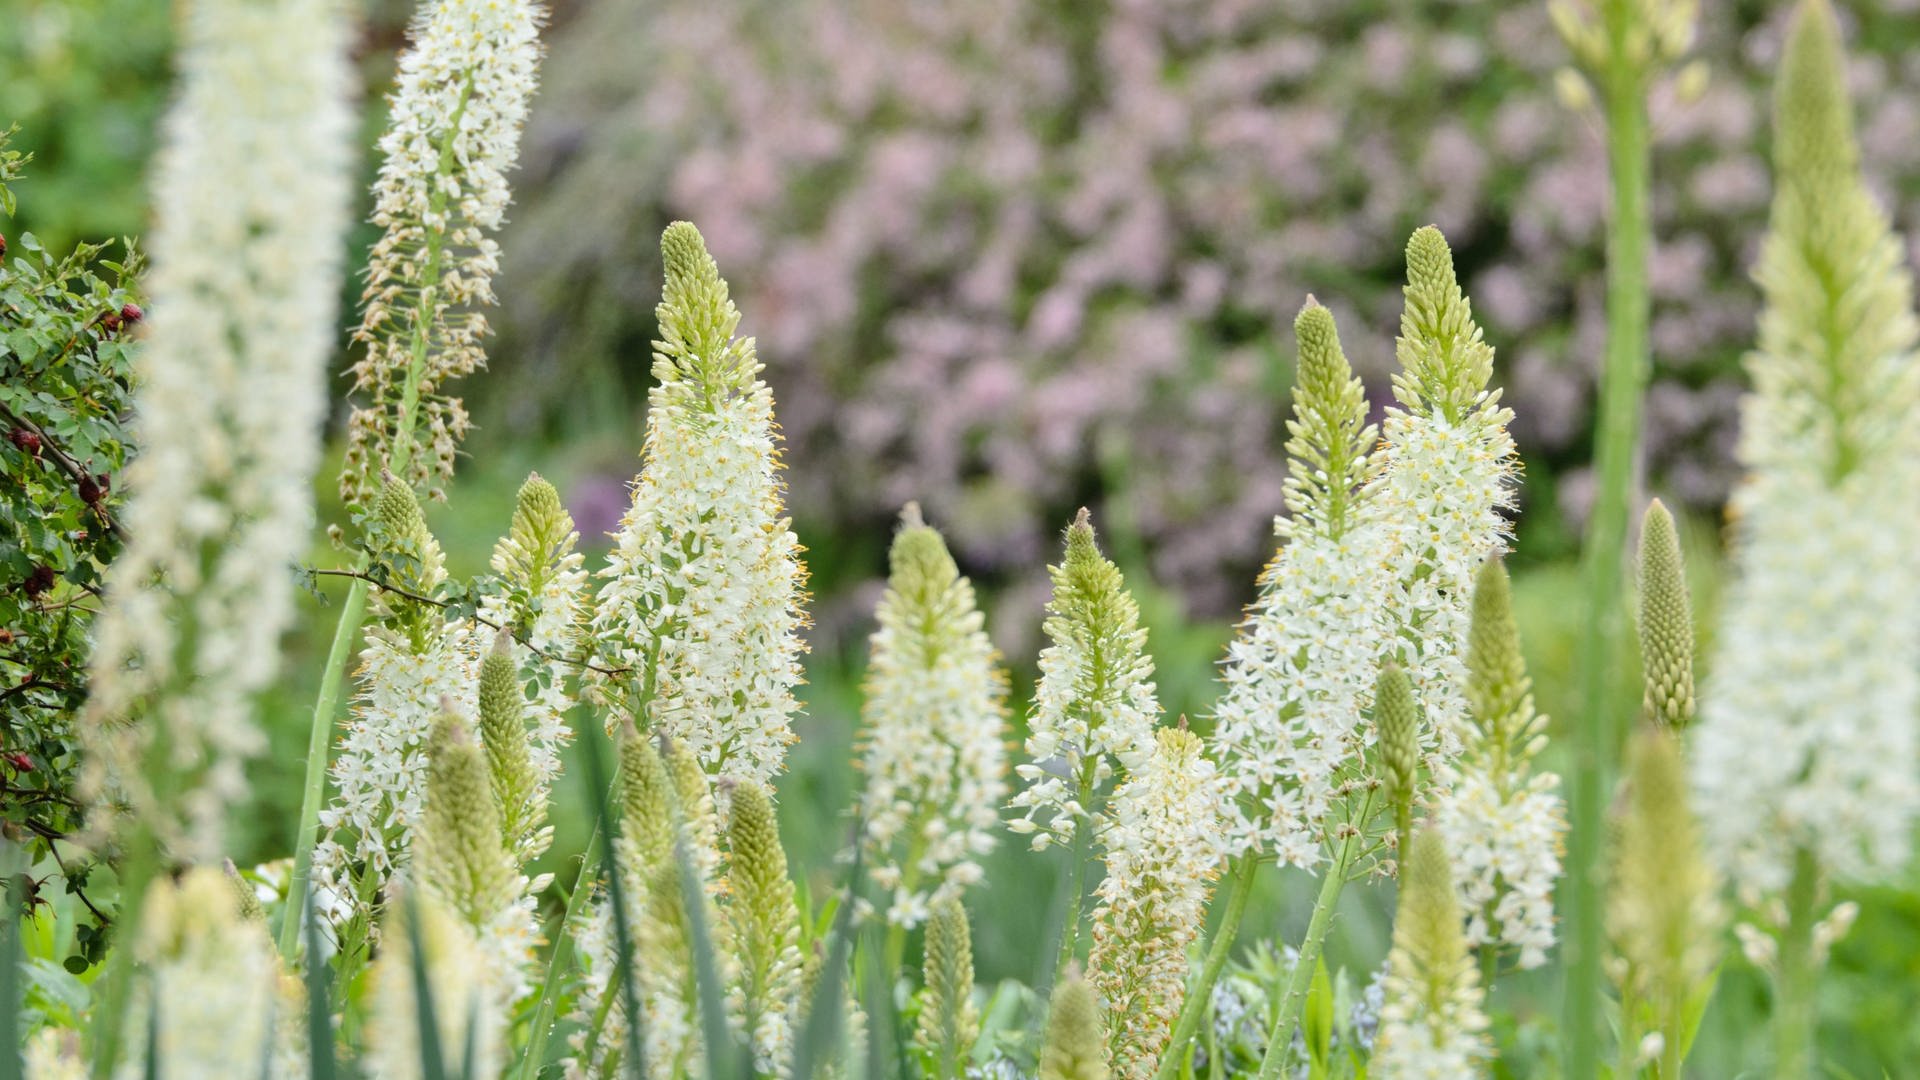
pixel 1076 1047
pixel 540 516
pixel 1324 371
pixel 462 845
pixel 1666 622
pixel 646 795
pixel 684 251
pixel 398 510
pixel 1813 113
pixel 1429 946
pixel 919 558
pixel 246 901
pixel 1396 719
pixel 753 833
pixel 538 499
pixel 1497 680
pixel 503 730
pixel 1430 261
pixel 1082 545
pixel 948 1025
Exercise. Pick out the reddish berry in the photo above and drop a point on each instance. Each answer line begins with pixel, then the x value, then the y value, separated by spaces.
pixel 39 581
pixel 19 760
pixel 132 313
pixel 89 491
pixel 27 441
pixel 3 244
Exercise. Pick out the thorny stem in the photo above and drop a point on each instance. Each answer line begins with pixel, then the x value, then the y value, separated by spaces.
pixel 1238 892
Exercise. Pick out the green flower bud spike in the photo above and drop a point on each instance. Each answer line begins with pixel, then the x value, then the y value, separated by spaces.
pixel 463 857
pixel 1434 1000
pixel 1396 720
pixel 503 731
pixel 948 1023
pixel 646 799
pixel 763 913
pixel 1666 622
pixel 540 537
pixel 1499 691
pixel 1445 362
pixel 411 557
pixel 1328 437
pixel 1076 1047
pixel 697 353
pixel 247 902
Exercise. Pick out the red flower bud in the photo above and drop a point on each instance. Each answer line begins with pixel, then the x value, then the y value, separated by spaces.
pixel 27 441
pixel 19 760
pixel 132 313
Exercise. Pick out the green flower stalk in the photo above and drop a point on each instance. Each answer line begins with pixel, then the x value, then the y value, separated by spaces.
pixel 1663 906
pixel 1807 747
pixel 933 729
pixel 1432 1024
pixel 704 593
pixel 1075 1049
pixel 1666 622
pixel 1094 708
pixel 1502 820
pixel 1396 725
pixel 1622 45
pixel 944 1034
pixel 766 924
pixel 503 731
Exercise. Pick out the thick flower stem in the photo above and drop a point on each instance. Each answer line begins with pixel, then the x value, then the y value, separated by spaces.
pixel 1280 1036
pixel 1794 1013
pixel 319 735
pixel 1596 738
pixel 1200 993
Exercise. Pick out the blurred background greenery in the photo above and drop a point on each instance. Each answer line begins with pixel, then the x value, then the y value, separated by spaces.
pixel 1013 258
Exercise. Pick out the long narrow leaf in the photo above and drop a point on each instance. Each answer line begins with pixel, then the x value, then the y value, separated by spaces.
pixel 823 1019
pixel 721 1051
pixel 319 998
pixel 432 1060
pixel 633 1062
pixel 560 963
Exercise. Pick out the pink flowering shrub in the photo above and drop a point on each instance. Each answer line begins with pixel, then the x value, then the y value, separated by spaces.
pixel 996 251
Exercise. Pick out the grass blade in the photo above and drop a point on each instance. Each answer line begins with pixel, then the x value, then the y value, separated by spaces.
pixel 322 1065
pixel 560 963
pixel 633 1062
pixel 432 1060
pixel 721 1050
pixel 821 1029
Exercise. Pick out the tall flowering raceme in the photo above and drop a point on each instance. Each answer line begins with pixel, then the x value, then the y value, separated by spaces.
pixel 1432 1025
pixel 933 727
pixel 1807 748
pixel 1163 853
pixel 704 596
pixel 453 134
pixel 1373 570
pixel 1307 650
pixel 1502 820
pixel 1094 707
pixel 255 176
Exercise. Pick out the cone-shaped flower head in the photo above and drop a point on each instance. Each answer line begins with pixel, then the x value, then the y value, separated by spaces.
pixel 1432 1025
pixel 1445 484
pixel 1396 722
pixel 943 1036
pixel 1392 583
pixel 1663 909
pixel 461 981
pixel 933 727
pixel 765 921
pixel 255 173
pixel 1300 669
pixel 1163 853
pixel 1076 1047
pixel 647 798
pixel 212 980
pixel 1504 821
pixel 503 731
pixel 704 588
pixel 1328 437
pixel 1807 736
pixel 1094 708
pixel 453 134
pixel 463 856
pixel 1657 32
pixel 1666 622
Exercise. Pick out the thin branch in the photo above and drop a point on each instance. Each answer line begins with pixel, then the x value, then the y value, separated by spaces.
pixel 66 464
pixel 359 575
pixel 50 836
